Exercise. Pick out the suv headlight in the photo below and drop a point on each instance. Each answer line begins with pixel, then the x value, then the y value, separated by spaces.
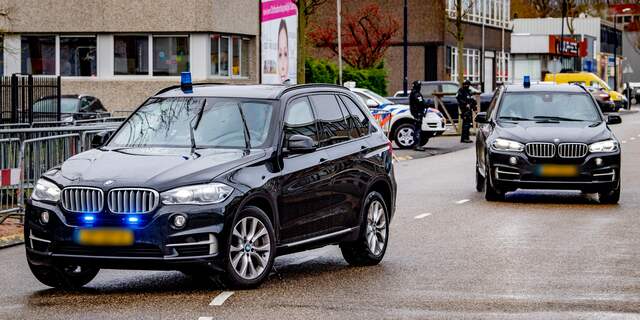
pixel 604 146
pixel 507 145
pixel 197 194
pixel 46 191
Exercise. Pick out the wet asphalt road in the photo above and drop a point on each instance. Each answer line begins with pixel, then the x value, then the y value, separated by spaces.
pixel 540 255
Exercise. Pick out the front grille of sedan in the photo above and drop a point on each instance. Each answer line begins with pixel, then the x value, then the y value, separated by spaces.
pixel 133 200
pixel 572 150
pixel 540 150
pixel 82 199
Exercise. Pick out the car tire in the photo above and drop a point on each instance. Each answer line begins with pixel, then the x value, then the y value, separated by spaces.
pixel 424 137
pixel 480 183
pixel 490 192
pixel 63 277
pixel 610 197
pixel 250 249
pixel 371 245
pixel 403 136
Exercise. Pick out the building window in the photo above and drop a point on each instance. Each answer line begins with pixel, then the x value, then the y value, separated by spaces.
pixel 244 70
pixel 493 12
pixel 502 67
pixel 1 56
pixel 38 55
pixel 78 56
pixel 170 55
pixel 229 56
pixel 471 61
pixel 131 55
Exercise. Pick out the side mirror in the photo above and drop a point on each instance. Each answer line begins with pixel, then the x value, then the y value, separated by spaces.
pixel 614 119
pixel 372 103
pixel 100 139
pixel 481 117
pixel 300 144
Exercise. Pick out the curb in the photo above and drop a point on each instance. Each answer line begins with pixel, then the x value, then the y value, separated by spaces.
pixel 10 241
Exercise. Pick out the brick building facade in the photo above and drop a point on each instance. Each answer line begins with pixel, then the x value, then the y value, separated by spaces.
pixel 432 49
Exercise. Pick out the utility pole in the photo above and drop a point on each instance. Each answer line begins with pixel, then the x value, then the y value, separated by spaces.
pixel 564 13
pixel 405 79
pixel 339 19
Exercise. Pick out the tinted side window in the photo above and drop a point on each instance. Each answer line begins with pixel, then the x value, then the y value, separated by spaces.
pixel 356 116
pixel 332 125
pixel 298 119
pixel 352 122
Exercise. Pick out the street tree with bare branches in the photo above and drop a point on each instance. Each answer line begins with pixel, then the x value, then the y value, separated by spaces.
pixel 456 29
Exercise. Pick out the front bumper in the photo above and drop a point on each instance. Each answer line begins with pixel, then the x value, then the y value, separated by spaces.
pixel 524 174
pixel 433 123
pixel 157 245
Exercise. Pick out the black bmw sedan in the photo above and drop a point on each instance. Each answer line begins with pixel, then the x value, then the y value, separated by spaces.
pixel 547 137
pixel 218 182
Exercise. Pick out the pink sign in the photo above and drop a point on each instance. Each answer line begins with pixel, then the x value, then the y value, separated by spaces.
pixel 278 9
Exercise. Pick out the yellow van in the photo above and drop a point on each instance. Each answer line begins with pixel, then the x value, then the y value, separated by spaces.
pixel 588 79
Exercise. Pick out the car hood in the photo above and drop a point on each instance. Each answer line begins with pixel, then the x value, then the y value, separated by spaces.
pixel 158 168
pixel 529 131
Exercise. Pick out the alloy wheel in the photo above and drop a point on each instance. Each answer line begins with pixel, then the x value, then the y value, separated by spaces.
pixel 376 228
pixel 405 137
pixel 250 248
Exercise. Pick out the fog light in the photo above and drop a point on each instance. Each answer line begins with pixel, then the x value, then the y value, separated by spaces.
pixel 513 161
pixel 598 161
pixel 179 221
pixel 44 217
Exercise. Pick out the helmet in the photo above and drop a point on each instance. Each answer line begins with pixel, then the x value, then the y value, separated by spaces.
pixel 417 85
pixel 467 83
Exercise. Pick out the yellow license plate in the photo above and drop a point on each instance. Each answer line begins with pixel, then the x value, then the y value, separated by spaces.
pixel 558 171
pixel 105 237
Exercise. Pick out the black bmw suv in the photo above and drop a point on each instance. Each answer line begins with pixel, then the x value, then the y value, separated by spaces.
pixel 547 137
pixel 218 181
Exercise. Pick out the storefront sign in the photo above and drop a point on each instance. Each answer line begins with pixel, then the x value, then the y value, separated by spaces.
pixel 279 41
pixel 570 47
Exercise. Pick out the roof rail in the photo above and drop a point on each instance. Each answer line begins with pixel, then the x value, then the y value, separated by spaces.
pixel 177 86
pixel 310 85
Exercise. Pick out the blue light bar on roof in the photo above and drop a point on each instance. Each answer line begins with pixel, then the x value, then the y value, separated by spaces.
pixel 186 85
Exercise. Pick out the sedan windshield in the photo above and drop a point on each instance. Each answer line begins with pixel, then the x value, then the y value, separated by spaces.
pixel 216 123
pixel 548 106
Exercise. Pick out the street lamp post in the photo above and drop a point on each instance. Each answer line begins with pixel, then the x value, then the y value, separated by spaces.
pixel 405 79
pixel 339 21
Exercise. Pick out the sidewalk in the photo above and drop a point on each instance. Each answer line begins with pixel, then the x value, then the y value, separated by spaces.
pixel 10 233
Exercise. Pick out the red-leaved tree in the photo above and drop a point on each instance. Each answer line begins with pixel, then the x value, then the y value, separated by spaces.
pixel 366 36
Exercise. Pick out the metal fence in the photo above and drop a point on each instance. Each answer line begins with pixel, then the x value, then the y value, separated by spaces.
pixel 26 153
pixel 28 98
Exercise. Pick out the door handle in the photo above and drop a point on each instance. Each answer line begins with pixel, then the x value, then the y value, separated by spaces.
pixel 363 147
pixel 323 159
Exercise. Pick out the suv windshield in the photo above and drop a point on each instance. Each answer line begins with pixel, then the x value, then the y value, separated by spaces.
pixel 217 123
pixel 554 106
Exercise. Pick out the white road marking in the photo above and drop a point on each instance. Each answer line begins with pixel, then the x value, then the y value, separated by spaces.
pixel 422 216
pixel 624 141
pixel 205 318
pixel 462 201
pixel 632 138
pixel 221 298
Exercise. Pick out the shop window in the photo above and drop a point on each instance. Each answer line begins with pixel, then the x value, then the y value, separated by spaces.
pixel 236 56
pixel 131 55
pixel 78 56
pixel 170 55
pixel 38 55
pixel 244 65
pixel 229 56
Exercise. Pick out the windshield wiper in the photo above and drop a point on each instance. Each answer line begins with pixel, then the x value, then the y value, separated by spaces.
pixel 515 118
pixel 247 136
pixel 193 127
pixel 555 118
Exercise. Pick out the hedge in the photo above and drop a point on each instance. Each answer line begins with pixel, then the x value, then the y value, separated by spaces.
pixel 324 71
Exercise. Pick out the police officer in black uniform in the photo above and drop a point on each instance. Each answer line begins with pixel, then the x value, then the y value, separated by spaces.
pixel 418 108
pixel 466 103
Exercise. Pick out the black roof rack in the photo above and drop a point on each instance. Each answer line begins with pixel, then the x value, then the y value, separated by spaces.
pixel 310 85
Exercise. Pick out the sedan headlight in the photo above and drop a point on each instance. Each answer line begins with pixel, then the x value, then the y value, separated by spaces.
pixel 507 145
pixel 198 194
pixel 46 191
pixel 604 146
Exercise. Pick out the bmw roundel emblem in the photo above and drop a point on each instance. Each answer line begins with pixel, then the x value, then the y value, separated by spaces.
pixel 556 140
pixel 108 182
